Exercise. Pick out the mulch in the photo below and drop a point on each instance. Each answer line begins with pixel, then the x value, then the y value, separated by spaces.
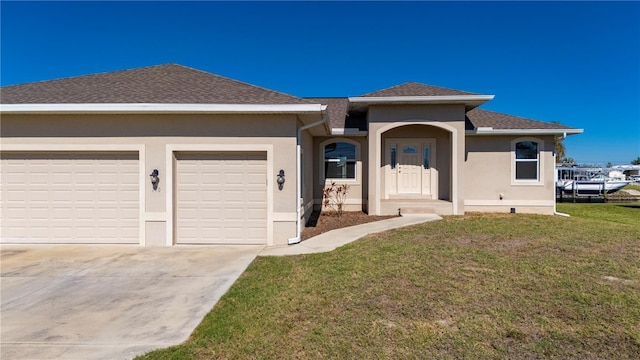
pixel 321 222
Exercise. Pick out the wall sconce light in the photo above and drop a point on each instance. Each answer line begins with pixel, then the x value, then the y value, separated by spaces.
pixel 280 179
pixel 154 179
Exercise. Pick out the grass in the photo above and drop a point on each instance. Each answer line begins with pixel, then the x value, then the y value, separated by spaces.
pixel 478 286
pixel 607 213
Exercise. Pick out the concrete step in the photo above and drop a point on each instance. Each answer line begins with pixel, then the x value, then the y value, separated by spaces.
pixel 415 210
pixel 390 207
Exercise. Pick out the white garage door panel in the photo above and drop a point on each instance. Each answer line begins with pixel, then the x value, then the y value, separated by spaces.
pixel 63 197
pixel 221 198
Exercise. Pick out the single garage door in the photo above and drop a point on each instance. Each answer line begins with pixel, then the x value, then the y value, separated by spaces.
pixel 221 198
pixel 65 197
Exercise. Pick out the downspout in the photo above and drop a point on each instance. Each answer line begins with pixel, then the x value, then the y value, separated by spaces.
pixel 555 203
pixel 297 239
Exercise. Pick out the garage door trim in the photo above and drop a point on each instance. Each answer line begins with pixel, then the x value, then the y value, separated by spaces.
pixel 171 164
pixel 140 149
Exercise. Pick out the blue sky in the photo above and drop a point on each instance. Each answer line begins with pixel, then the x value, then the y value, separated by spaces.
pixel 573 62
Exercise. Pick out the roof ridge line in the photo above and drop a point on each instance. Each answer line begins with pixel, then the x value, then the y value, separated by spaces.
pixel 390 87
pixel 242 82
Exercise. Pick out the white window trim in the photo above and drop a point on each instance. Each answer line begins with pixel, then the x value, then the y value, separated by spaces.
pixel 323 181
pixel 540 161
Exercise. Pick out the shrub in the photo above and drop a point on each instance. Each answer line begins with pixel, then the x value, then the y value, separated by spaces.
pixel 334 197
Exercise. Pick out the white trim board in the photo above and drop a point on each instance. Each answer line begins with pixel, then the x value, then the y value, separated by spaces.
pixel 151 108
pixel 492 131
pixel 421 99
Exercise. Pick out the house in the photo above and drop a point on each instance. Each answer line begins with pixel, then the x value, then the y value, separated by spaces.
pixel 167 155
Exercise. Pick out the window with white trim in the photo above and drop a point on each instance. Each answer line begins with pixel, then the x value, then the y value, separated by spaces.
pixel 340 161
pixel 527 158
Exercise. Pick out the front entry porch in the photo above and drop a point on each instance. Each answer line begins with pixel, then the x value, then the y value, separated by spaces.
pixel 420 165
pixel 415 205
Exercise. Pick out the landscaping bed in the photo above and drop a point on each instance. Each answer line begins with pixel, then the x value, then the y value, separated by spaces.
pixel 321 222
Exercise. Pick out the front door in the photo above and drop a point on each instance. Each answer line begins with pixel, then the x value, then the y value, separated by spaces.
pixel 409 168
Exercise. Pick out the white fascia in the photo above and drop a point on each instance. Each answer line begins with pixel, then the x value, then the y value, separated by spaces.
pixel 492 131
pixel 348 131
pixel 475 100
pixel 149 108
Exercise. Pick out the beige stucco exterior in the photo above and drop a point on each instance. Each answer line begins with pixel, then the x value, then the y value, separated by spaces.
pixel 490 185
pixel 170 155
pixel 468 172
pixel 156 137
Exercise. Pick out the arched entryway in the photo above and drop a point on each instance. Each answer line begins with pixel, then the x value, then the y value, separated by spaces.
pixel 418 163
pixel 410 162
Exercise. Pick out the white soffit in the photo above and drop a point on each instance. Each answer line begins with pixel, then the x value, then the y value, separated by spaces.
pixel 146 108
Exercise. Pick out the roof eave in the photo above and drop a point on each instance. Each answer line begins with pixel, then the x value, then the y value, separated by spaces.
pixel 470 101
pixel 492 131
pixel 151 108
pixel 348 132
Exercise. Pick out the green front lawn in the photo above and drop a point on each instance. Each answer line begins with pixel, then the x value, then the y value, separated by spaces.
pixel 478 286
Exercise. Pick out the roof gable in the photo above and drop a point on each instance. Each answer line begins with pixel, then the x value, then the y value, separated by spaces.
pixel 169 83
pixel 416 89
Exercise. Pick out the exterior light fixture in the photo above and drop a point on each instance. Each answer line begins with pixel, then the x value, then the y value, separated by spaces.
pixel 154 179
pixel 280 179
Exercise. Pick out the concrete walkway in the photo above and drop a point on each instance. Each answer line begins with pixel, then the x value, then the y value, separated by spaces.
pixel 336 238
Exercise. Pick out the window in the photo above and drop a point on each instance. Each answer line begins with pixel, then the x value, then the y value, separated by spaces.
pixel 527 160
pixel 340 161
pixel 409 150
pixel 426 164
pixel 394 161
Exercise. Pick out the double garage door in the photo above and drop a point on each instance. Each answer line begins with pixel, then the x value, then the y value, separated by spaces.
pixel 94 197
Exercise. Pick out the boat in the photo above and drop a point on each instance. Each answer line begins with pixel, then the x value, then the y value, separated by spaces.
pixel 588 181
pixel 593 187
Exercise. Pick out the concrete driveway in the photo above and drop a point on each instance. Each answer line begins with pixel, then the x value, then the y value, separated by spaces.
pixel 109 302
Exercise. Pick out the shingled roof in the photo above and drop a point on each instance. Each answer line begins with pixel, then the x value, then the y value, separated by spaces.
pixel 170 83
pixel 177 84
pixel 416 89
pixel 483 118
pixel 337 109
